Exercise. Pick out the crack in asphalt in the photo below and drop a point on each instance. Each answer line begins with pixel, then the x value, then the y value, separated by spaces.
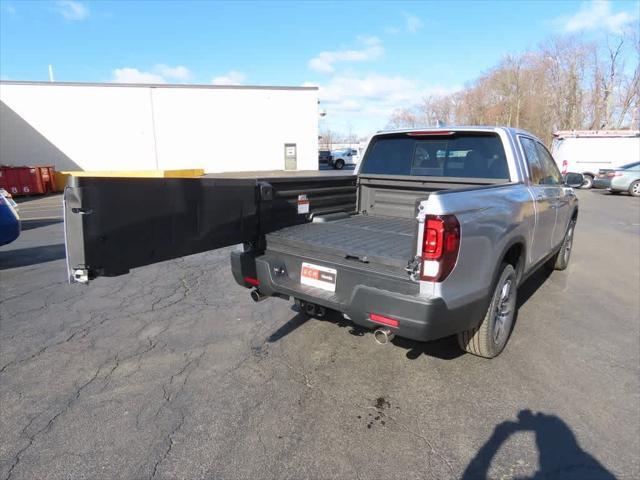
pixel 72 400
pixel 169 398
pixel 169 446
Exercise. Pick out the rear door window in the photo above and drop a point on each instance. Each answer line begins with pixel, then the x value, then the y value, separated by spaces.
pixel 536 173
pixel 463 154
pixel 551 174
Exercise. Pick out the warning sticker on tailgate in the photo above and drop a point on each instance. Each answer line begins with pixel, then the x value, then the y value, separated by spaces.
pixel 318 276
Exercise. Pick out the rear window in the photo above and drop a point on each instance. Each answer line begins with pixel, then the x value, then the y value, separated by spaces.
pixel 471 155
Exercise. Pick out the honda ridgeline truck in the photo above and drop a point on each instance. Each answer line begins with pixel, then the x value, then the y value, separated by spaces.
pixel 431 237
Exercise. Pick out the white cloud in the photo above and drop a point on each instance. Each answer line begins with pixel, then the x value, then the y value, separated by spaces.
pixel 324 61
pixel 179 72
pixel 366 102
pixel 72 9
pixel 412 23
pixel 133 75
pixel 232 77
pixel 596 15
pixel 160 73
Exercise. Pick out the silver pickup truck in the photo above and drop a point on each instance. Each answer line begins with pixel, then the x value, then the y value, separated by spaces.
pixel 431 237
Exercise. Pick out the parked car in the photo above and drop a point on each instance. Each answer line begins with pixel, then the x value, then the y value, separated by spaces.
pixel 9 221
pixel 348 156
pixel 397 248
pixel 588 151
pixel 324 156
pixel 623 179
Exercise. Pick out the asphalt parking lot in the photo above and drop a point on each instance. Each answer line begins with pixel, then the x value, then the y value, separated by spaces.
pixel 173 372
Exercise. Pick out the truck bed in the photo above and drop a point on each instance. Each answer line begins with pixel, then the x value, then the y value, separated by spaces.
pixel 363 239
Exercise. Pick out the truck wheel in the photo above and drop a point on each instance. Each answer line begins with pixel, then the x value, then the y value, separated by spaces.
pixel 338 164
pixel 588 182
pixel 564 254
pixel 489 338
pixel 634 189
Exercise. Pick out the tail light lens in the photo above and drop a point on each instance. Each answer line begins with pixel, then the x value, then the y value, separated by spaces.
pixel 565 166
pixel 252 281
pixel 614 174
pixel 392 322
pixel 440 246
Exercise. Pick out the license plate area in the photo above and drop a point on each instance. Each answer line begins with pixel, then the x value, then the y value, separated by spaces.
pixel 318 276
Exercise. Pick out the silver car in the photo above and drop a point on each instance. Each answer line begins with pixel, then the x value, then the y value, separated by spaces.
pixel 625 179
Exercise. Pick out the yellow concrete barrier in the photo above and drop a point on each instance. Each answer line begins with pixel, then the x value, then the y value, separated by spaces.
pixel 61 177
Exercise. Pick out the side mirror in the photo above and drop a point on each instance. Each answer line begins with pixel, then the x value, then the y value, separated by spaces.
pixel 574 180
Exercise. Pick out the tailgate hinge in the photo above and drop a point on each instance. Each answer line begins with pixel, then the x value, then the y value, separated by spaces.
pixel 80 275
pixel 413 268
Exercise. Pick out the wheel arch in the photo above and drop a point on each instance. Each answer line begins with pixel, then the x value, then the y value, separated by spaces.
pixel 514 253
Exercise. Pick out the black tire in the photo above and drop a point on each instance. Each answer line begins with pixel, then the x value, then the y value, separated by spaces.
pixel 634 189
pixel 564 254
pixel 588 182
pixel 338 164
pixel 490 337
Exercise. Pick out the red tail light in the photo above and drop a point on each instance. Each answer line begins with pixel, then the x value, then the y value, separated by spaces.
pixel 614 174
pixel 392 322
pixel 440 246
pixel 565 166
pixel 252 281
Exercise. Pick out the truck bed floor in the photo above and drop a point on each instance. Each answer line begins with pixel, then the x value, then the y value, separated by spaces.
pixel 381 239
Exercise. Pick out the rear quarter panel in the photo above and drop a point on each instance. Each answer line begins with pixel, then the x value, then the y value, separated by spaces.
pixel 491 220
pixel 625 180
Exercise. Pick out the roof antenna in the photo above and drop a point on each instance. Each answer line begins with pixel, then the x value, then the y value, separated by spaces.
pixel 51 73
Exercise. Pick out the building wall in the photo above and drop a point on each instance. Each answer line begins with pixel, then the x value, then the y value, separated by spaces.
pixel 114 127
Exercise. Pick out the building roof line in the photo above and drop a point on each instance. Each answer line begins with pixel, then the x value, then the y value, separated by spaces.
pixel 156 85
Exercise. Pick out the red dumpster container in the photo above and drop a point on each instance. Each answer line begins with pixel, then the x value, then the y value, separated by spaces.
pixel 27 180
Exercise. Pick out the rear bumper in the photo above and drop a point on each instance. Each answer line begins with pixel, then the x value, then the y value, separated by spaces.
pixel 419 318
pixel 620 184
pixel 601 182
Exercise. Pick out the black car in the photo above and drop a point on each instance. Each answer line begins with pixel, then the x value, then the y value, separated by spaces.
pixel 324 156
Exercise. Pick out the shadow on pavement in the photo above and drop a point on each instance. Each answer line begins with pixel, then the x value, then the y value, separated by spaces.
pixel 24 257
pixel 332 317
pixel 33 224
pixel 443 348
pixel 560 455
pixel 288 327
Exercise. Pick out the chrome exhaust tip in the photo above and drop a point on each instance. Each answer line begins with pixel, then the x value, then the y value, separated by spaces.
pixel 383 336
pixel 256 296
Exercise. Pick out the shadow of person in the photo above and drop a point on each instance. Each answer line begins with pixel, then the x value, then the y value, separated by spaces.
pixel 560 455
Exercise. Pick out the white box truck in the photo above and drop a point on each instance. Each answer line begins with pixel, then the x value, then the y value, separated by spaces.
pixel 587 151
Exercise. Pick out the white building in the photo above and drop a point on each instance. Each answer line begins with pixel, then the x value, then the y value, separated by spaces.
pixel 82 126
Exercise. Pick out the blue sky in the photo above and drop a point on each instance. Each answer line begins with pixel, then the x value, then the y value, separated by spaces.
pixel 368 57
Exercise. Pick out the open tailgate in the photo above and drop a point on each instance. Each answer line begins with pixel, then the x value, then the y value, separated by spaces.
pixel 115 224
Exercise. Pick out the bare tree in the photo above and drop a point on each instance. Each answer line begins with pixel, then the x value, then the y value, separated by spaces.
pixel 566 83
